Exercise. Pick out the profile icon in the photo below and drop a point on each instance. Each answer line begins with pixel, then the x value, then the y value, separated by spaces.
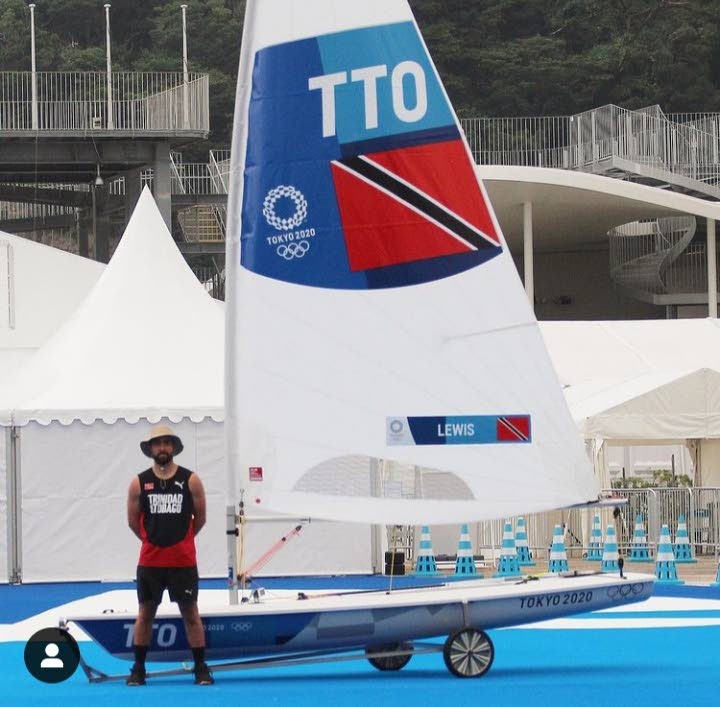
pixel 51 655
pixel 52 661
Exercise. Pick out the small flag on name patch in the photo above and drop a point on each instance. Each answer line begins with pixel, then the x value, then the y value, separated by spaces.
pixel 256 473
pixel 513 428
pixel 149 486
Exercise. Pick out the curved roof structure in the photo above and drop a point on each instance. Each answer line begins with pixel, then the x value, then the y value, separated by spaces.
pixel 572 208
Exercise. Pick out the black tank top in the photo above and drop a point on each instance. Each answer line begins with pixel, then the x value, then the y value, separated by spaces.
pixel 166 505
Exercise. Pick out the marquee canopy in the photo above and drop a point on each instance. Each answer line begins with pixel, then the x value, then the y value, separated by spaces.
pixel 124 353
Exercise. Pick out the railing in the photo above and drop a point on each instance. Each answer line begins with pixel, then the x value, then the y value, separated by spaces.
pixel 80 102
pixel 199 224
pixel 12 210
pixel 688 274
pixel 641 252
pixel 684 144
pixel 657 507
pixel 212 280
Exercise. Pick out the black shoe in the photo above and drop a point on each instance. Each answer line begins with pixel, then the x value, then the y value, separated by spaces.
pixel 136 677
pixel 203 674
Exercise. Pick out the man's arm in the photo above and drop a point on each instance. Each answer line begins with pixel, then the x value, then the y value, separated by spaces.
pixel 198 496
pixel 133 506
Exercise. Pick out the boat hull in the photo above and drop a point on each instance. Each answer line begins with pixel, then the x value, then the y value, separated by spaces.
pixel 369 619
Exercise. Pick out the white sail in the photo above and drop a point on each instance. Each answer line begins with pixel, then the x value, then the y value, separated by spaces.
pixel 383 363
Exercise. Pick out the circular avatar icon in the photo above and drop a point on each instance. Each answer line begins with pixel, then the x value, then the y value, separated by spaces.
pixel 51 655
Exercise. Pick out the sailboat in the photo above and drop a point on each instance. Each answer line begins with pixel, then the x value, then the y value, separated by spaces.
pixel 383 364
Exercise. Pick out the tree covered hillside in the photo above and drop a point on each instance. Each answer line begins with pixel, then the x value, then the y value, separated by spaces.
pixel 497 57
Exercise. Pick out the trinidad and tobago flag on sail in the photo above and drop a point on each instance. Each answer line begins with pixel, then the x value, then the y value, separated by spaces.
pixel 356 176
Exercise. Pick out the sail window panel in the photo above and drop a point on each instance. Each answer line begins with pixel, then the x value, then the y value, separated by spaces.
pixel 365 477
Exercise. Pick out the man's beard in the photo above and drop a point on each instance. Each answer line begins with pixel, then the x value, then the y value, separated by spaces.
pixel 162 458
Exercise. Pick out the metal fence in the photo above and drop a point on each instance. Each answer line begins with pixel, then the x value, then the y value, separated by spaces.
pixel 212 279
pixel 656 506
pixel 86 101
pixel 685 144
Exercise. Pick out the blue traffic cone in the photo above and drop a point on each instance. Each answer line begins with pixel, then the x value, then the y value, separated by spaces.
pixel 558 555
pixel 682 548
pixel 595 549
pixel 465 562
pixel 639 551
pixel 716 583
pixel 665 569
pixel 521 545
pixel 508 565
pixel 425 565
pixel 610 551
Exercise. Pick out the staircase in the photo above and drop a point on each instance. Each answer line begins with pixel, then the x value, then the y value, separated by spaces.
pixel 201 223
pixel 643 253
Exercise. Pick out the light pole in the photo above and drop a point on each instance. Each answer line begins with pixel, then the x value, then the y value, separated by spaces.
pixel 110 121
pixel 34 68
pixel 186 107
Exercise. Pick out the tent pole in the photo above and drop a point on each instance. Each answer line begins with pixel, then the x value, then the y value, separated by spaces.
pixel 14 506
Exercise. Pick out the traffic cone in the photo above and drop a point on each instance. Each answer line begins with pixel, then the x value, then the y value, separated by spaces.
pixel 521 545
pixel 639 551
pixel 716 583
pixel 465 562
pixel 595 549
pixel 682 548
pixel 508 565
pixel 425 565
pixel 610 551
pixel 665 569
pixel 558 555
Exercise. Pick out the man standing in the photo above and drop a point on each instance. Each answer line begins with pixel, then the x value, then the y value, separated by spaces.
pixel 166 510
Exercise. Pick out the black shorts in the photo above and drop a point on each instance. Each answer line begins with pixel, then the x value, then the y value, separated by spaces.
pixel 181 583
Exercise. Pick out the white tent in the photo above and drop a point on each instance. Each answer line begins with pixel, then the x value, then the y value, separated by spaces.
pixel 602 350
pixel 40 287
pixel 146 344
pixel 669 407
pixel 643 382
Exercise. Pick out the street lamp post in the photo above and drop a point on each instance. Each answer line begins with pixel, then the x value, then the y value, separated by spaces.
pixel 110 120
pixel 186 98
pixel 34 68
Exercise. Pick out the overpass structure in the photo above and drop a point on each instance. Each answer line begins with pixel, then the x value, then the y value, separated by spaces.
pixel 609 200
pixel 76 146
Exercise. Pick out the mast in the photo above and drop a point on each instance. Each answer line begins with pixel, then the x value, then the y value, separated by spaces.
pixel 234 464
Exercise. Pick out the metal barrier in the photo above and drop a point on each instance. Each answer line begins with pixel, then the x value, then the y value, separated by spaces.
pixel 704 532
pixel 683 144
pixel 83 101
pixel 657 506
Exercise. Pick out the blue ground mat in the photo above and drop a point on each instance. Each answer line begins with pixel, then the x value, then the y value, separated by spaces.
pixel 533 666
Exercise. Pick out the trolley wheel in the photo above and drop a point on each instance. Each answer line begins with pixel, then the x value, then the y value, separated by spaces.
pixel 389 662
pixel 468 653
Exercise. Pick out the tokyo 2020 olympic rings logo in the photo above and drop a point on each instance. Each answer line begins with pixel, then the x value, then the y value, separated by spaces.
pixel 293 250
pixel 284 192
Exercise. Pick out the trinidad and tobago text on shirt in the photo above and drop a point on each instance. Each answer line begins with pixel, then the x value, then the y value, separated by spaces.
pixel 356 175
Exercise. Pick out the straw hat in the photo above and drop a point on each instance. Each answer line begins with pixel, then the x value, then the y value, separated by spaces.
pixel 161 431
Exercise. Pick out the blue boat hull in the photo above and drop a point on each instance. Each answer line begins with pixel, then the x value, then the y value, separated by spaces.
pixel 373 619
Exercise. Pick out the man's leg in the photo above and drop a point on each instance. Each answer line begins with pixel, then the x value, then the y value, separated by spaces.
pixel 149 589
pixel 183 588
pixel 193 625
pixel 142 635
pixel 196 639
